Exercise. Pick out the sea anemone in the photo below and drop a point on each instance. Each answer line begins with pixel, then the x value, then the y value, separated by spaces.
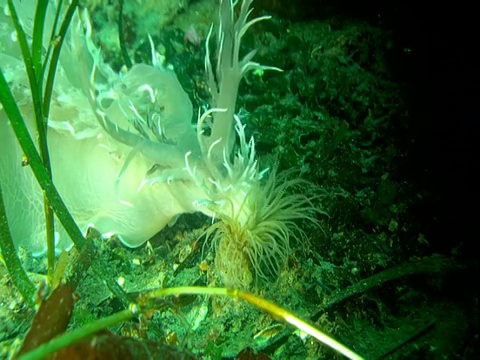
pixel 256 215
pixel 257 238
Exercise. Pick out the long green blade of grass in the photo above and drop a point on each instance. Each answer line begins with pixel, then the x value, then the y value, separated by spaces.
pixel 33 64
pixel 37 39
pixel 57 42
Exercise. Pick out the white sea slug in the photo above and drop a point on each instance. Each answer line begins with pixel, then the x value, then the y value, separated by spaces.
pixel 127 161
